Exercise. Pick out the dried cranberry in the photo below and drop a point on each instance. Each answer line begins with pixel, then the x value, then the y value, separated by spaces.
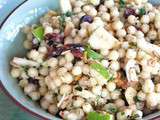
pixel 57 52
pixel 128 12
pixel 33 81
pixel 77 53
pixel 74 46
pixel 87 18
pixel 55 37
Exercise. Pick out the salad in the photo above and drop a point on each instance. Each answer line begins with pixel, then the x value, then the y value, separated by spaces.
pixel 93 60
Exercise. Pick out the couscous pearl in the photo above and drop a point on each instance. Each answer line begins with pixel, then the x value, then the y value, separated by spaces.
pixel 121 33
pixel 148 7
pixel 92 12
pixel 68 66
pixel 131 53
pixel 44 104
pixel 87 108
pixel 122 52
pixel 117 25
pixel 104 52
pixel 157 87
pixel 62 61
pixel 97 90
pixel 68 40
pixel 49 97
pixel 77 70
pixel 23 83
pixel 148 86
pixel 86 8
pixel 113 55
pixel 29 36
pixel 57 82
pixel 120 103
pixel 109 3
pixel 93 81
pixel 78 102
pixel 115 94
pixel 61 71
pixel 67 78
pixel 114 12
pixel 85 69
pixel 83 33
pixel 42 90
pixel 77 10
pixel 106 17
pixel 72 116
pixel 145 19
pixel 132 19
pixel 44 71
pixel 42 50
pixel 29 88
pixel 34 54
pixel 141 95
pixel 105 63
pixel 32 72
pixel 115 66
pixel 15 72
pixel 131 30
pixel 102 8
pixel 53 74
pixel 79 63
pixel 152 35
pixel 65 89
pixel 105 94
pixel 69 57
pixel 111 86
pixel 139 34
pixel 145 28
pixel 52 62
pixel 125 45
pixel 34 96
pixel 53 109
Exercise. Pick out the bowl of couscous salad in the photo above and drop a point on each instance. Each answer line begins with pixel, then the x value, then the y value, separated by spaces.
pixel 83 59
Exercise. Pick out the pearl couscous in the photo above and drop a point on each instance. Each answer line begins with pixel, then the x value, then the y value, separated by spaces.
pixel 94 60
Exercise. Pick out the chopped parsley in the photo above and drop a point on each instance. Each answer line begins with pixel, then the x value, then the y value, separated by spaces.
pixel 137 99
pixel 142 11
pixel 111 78
pixel 62 20
pixel 113 109
pixel 122 3
pixel 79 88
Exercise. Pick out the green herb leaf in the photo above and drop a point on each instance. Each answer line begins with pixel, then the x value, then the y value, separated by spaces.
pixel 122 3
pixel 79 88
pixel 111 78
pixel 39 33
pixel 62 20
pixel 92 54
pixel 102 70
pixel 142 11
pixel 98 116
pixel 137 99
pixel 69 14
pixel 113 109
pixel 122 113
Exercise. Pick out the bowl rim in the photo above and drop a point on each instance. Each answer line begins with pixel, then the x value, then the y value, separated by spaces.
pixel 4 90
pixel 11 97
